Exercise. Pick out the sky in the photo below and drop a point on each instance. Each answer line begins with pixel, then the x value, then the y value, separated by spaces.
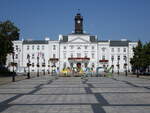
pixel 108 19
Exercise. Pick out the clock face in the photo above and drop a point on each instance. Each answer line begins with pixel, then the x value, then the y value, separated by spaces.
pixel 78 21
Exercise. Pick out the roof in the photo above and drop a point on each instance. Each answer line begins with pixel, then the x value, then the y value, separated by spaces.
pixel 119 43
pixel 93 39
pixel 35 42
pixel 103 41
pixel 64 39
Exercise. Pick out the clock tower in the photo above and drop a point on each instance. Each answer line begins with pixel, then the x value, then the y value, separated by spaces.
pixel 78 24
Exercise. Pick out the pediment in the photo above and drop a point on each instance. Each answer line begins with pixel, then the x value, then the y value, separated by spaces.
pixel 78 40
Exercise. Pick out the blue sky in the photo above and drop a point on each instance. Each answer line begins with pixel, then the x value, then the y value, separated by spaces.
pixel 109 19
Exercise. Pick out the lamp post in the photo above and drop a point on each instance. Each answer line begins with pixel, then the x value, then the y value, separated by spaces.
pixel 44 66
pixel 112 59
pixel 38 66
pixel 118 64
pixel 13 64
pixel 125 58
pixel 28 64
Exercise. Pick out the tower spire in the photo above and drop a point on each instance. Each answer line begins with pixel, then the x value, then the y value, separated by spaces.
pixel 78 23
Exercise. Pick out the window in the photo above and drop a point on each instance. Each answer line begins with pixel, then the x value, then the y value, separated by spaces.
pixel 54 47
pixel 71 47
pixel 38 47
pixel 112 57
pixel 118 58
pixel 103 57
pixel 28 56
pixel 92 47
pixel 64 47
pixel 32 56
pixel 78 54
pixel 43 55
pixel 64 55
pixel 86 47
pixel 43 47
pixel 54 55
pixel 93 65
pixel 33 47
pixel 112 49
pixel 93 55
pixel 85 55
pixel 103 49
pixel 27 47
pixel 16 56
pixel 124 49
pixel 32 64
pixel 71 55
pixel 124 57
pixel 118 49
pixel 79 47
pixel 17 47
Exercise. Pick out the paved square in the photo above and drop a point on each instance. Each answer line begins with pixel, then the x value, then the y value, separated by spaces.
pixel 48 94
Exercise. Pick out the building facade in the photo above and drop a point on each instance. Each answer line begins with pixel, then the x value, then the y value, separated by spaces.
pixel 72 50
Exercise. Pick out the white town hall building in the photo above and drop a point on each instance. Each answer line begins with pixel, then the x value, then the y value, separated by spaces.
pixel 74 49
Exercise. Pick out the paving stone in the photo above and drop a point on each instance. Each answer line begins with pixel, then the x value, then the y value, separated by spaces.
pixel 5 97
pixel 17 91
pixel 45 94
pixel 16 86
pixel 65 86
pixel 59 99
pixel 111 85
pixel 61 91
pixel 50 109
pixel 127 98
pixel 118 89
pixel 127 109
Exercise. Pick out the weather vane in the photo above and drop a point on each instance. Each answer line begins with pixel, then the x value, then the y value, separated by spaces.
pixel 78 10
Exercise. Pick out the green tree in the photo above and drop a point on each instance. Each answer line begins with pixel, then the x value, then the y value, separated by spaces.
pixel 147 55
pixel 137 60
pixel 8 33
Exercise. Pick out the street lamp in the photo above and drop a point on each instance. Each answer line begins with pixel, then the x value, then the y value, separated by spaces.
pixel 112 59
pixel 125 65
pixel 38 66
pixel 43 66
pixel 13 64
pixel 118 64
pixel 28 65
